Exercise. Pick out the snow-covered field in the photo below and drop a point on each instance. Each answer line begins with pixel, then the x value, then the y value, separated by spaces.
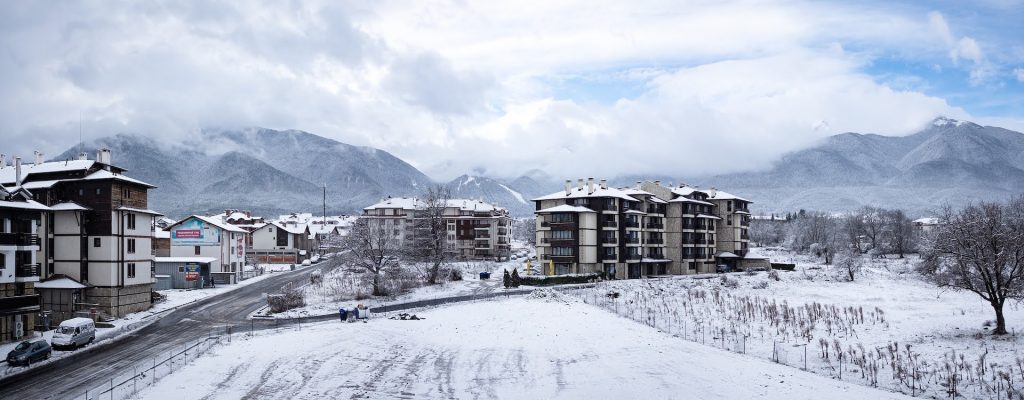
pixel 886 324
pixel 525 348
pixel 341 288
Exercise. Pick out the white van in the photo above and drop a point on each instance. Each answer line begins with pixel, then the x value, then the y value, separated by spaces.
pixel 73 333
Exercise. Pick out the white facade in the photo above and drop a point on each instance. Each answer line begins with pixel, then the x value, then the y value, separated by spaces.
pixel 223 242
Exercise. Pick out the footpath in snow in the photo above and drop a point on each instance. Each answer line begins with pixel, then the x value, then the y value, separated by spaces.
pixel 523 348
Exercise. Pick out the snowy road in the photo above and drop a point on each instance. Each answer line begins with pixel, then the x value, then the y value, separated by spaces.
pixel 71 376
pixel 517 348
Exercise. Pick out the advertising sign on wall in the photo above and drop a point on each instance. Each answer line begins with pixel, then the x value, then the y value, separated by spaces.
pixel 195 232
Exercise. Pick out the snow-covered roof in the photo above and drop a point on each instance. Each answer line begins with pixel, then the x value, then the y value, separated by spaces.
pixel 636 192
pixel 8 174
pixel 634 212
pixel 297 229
pixel 566 208
pixel 726 254
pixel 721 195
pixel 39 184
pixel 654 260
pixel 927 221
pixel 60 283
pixel 69 206
pixel 656 199
pixel 201 260
pixel 707 216
pixel 104 174
pixel 684 190
pixel 212 221
pixel 161 234
pixel 24 205
pixel 138 210
pixel 577 193
pixel 404 203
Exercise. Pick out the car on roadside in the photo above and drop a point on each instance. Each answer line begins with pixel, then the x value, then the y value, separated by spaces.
pixel 28 352
pixel 74 333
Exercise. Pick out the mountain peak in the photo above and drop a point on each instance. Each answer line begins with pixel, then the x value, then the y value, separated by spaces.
pixel 946 122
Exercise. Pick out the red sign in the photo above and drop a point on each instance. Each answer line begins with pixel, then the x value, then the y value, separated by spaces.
pixel 191 276
pixel 188 234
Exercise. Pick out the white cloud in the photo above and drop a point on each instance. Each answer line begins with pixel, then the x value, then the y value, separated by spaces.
pixel 453 86
pixel 1019 72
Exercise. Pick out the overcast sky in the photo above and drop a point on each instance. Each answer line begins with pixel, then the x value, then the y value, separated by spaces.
pixel 575 88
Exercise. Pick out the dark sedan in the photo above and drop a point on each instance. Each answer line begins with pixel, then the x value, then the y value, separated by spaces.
pixel 28 352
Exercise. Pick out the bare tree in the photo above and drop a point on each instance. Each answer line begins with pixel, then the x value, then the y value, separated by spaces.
pixel 765 232
pixel 816 232
pixel 873 225
pixel 429 243
pixel 980 249
pixel 372 246
pixel 525 230
pixel 853 230
pixel 899 232
pixel 849 262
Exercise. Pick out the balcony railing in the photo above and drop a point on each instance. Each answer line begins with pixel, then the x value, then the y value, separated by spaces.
pixel 26 270
pixel 19 239
pixel 632 257
pixel 658 256
pixel 609 257
pixel 544 224
pixel 655 225
pixel 632 224
pixel 609 240
pixel 610 224
pixel 632 240
pixel 19 302
pixel 655 241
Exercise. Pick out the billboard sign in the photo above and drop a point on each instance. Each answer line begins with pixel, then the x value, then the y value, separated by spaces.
pixel 195 232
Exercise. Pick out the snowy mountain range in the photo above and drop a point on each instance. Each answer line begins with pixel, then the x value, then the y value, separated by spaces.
pixel 271 172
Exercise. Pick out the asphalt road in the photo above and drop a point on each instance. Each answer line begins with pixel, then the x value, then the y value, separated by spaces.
pixel 70 377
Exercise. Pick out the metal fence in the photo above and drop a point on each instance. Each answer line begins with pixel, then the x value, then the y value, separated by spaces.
pixel 149 371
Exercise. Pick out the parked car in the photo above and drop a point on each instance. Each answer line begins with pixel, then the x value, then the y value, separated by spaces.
pixel 28 352
pixel 306 263
pixel 74 333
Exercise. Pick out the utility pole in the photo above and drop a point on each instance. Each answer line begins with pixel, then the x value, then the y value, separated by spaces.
pixel 323 228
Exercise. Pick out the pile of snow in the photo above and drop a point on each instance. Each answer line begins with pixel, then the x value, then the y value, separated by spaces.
pixel 549 295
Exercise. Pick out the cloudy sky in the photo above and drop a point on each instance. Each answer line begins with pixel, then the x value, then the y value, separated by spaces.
pixel 576 88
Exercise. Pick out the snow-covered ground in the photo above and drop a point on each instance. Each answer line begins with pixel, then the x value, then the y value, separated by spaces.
pixel 344 289
pixel 887 323
pixel 509 349
pixel 173 299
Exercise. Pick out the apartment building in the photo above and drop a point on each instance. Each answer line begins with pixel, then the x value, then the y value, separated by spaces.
pixel 647 230
pixel 475 229
pixel 20 218
pixel 278 243
pixel 97 229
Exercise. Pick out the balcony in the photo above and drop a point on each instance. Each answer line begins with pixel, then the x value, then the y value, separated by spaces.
pixel 609 240
pixel 610 224
pixel 655 225
pixel 632 240
pixel 655 241
pixel 632 224
pixel 633 257
pixel 656 256
pixel 478 236
pixel 27 303
pixel 19 239
pixel 609 257
pixel 26 272
pixel 545 224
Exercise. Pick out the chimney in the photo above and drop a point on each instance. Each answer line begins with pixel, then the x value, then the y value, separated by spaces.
pixel 638 183
pixel 568 187
pixel 17 171
pixel 579 184
pixel 590 185
pixel 248 214
pixel 604 184
pixel 657 183
pixel 39 157
pixel 81 156
pixel 712 192
pixel 670 184
pixel 3 161
pixel 227 212
pixel 103 156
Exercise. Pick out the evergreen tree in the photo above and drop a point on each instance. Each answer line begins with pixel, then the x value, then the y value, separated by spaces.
pixel 515 278
pixel 506 280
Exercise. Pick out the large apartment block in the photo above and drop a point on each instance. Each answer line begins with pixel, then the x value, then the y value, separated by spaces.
pixel 97 228
pixel 647 230
pixel 475 229
pixel 20 219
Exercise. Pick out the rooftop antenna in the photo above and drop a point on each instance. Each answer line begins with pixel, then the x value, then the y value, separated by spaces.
pixel 81 143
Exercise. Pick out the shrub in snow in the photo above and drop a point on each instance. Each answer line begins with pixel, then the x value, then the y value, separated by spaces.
pixel 290 297
pixel 774 275
pixel 749 272
pixel 848 264
pixel 760 285
pixel 455 275
pixel 316 277
pixel 729 282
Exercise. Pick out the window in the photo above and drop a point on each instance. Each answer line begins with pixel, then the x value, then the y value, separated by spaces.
pixel 81 192
pixel 131 221
pixel 181 269
pixel 127 193
pixel 95 242
pixel 561 251
pixel 729 203
pixel 3 260
pixel 131 246
pixel 561 235
pixel 97 191
pixel 728 221
pixel 609 269
pixel 131 270
pixel 197 250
